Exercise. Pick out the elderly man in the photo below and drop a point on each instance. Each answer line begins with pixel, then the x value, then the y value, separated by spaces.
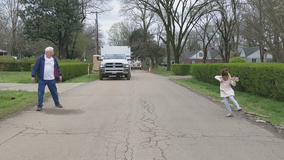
pixel 47 70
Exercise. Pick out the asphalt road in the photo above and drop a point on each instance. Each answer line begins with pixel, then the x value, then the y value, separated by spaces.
pixel 146 118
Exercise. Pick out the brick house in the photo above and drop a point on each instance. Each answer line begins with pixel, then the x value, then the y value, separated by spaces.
pixel 193 57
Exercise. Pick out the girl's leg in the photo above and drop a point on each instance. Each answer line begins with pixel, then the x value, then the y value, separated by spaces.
pixel 226 101
pixel 235 102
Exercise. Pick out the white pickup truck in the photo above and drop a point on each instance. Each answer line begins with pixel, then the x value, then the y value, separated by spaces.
pixel 115 61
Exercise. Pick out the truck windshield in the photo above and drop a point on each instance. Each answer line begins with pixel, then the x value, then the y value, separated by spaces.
pixel 114 56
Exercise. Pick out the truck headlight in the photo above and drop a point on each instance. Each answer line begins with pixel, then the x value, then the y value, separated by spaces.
pixel 127 66
pixel 102 65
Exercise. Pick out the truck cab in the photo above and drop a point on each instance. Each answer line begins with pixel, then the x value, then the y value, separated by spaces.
pixel 115 61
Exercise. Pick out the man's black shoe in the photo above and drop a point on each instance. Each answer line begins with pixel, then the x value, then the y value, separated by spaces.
pixel 59 105
pixel 39 109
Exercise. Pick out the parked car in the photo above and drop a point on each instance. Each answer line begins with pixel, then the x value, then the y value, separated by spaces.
pixel 163 64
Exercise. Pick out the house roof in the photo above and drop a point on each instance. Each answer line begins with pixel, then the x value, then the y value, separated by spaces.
pixel 213 53
pixel 2 51
pixel 250 50
pixel 188 55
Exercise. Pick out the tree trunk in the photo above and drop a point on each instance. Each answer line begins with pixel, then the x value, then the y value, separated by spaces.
pixel 205 54
pixel 151 54
pixel 227 52
pixel 168 55
pixel 73 46
pixel 61 47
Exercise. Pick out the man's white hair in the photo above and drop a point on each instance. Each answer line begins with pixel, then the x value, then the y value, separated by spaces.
pixel 48 49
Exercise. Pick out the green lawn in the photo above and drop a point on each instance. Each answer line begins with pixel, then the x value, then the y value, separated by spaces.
pixel 25 77
pixel 16 101
pixel 250 103
pixel 15 77
pixel 162 71
pixel 84 78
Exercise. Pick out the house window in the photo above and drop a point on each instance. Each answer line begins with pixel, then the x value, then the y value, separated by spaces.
pixel 193 62
pixel 219 61
pixel 253 60
pixel 200 55
pixel 269 60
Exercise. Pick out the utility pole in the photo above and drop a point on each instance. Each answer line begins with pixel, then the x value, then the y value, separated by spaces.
pixel 97 38
pixel 97 32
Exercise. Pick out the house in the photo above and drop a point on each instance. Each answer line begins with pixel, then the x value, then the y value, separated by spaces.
pixel 164 62
pixel 252 55
pixel 213 56
pixel 2 52
pixel 192 57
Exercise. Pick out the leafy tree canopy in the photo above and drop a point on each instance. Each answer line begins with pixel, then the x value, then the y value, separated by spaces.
pixel 53 20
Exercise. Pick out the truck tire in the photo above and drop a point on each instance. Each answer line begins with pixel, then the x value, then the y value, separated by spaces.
pixel 128 76
pixel 101 77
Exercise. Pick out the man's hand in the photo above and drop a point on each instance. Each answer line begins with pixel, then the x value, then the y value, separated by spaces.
pixel 60 78
pixel 32 79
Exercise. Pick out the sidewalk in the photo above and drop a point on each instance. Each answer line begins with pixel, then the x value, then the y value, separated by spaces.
pixel 32 87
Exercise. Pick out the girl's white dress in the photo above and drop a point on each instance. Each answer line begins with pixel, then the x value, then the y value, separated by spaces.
pixel 225 87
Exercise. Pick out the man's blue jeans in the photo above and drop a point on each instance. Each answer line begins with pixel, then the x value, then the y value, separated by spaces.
pixel 52 88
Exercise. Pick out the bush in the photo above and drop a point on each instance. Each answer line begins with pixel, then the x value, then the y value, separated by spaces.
pixel 237 60
pixel 181 69
pixel 72 70
pixel 263 79
pixel 15 66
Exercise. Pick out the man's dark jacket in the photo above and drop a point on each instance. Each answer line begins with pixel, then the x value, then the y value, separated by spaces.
pixel 39 68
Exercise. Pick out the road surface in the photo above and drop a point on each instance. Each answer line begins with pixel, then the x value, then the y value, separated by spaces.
pixel 146 118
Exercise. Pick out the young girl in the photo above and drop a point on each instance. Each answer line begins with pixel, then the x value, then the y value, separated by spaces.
pixel 226 90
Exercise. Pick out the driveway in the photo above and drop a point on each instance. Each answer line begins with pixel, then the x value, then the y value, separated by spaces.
pixel 146 118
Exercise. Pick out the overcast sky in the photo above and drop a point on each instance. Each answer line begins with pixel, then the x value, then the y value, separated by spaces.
pixel 106 20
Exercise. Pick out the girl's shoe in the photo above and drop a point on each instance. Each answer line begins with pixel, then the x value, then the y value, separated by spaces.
pixel 230 115
pixel 240 109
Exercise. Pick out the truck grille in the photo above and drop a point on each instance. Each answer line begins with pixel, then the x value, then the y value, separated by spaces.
pixel 114 65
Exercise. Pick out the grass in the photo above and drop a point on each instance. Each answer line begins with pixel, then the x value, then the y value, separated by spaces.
pixel 162 71
pixel 15 77
pixel 250 103
pixel 84 78
pixel 16 101
pixel 25 77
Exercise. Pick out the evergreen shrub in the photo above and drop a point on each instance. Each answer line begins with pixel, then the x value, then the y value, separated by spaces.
pixel 264 79
pixel 72 70
pixel 181 69
pixel 237 60
pixel 15 66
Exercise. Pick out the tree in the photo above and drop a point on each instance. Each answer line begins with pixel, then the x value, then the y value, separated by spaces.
pixel 227 24
pixel 11 8
pixel 144 18
pixel 206 31
pixel 179 19
pixel 264 26
pixel 254 24
pixel 120 32
pixel 3 30
pixel 53 20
